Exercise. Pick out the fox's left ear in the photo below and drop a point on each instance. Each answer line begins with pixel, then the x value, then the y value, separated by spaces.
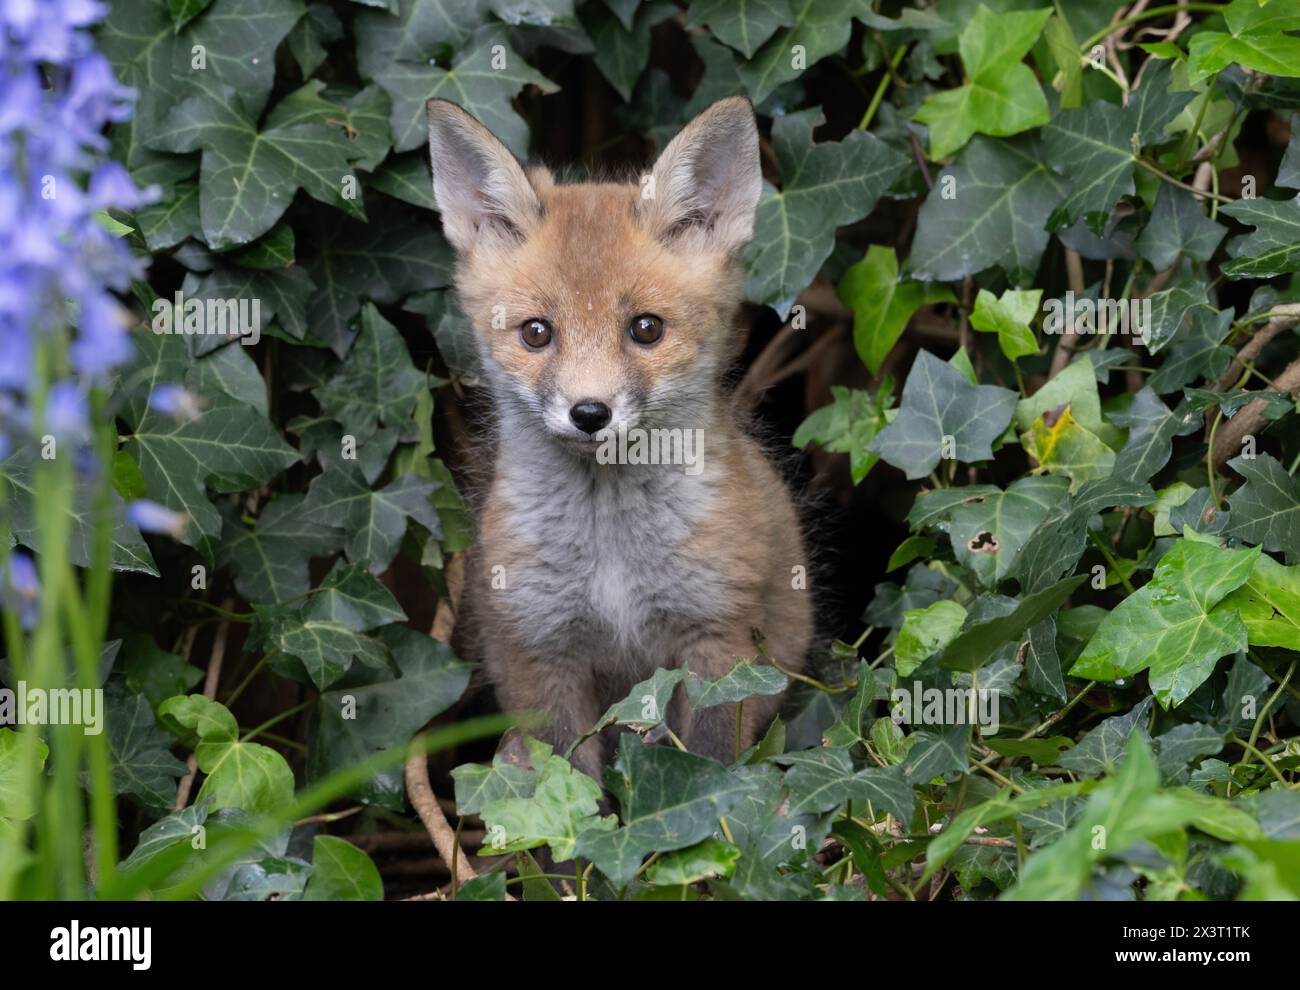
pixel 703 191
pixel 481 190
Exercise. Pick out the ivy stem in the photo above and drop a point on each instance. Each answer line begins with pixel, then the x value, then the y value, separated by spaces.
pixel 1209 459
pixel 277 718
pixel 244 617
pixel 1263 712
pixel 1114 564
pixel 1264 759
pixel 881 87
pixel 1052 719
pixel 1146 15
pixel 239 689
pixel 1203 193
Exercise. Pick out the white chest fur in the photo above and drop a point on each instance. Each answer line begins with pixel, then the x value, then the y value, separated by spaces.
pixel 598 575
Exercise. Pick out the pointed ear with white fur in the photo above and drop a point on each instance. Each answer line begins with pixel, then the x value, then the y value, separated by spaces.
pixel 703 191
pixel 480 187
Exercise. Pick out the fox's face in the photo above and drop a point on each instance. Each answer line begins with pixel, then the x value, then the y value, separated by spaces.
pixel 600 305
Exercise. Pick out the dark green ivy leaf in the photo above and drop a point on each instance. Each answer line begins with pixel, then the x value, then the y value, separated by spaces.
pixel 824 185
pixel 943 414
pixel 377 384
pixel 249 175
pixel 1274 248
pixel 1266 509
pixel 375 520
pixel 669 800
pixel 987 208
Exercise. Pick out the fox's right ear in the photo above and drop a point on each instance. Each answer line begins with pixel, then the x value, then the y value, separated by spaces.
pixel 705 187
pixel 480 187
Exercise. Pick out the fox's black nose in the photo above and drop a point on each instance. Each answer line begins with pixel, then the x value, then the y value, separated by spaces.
pixel 589 415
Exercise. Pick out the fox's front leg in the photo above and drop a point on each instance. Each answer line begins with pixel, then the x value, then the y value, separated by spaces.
pixel 563 692
pixel 712 731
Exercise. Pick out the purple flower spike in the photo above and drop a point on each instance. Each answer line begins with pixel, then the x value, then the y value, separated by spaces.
pixel 154 518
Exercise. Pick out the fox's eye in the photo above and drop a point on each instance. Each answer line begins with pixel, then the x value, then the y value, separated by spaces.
pixel 535 333
pixel 646 328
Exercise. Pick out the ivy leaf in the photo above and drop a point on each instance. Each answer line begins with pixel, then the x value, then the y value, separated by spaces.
pixel 478 785
pixel 940 406
pixel 976 643
pixel 646 704
pixel 823 779
pixel 1266 509
pixel 987 208
pixel 1269 604
pixel 270 561
pixel 820 180
pixel 1009 316
pixel 819 28
pixel 669 800
pixel 318 28
pixel 408 178
pixel 377 384
pixel 1256 42
pixel 282 296
pixel 745 680
pixel 323 648
pixel 1065 52
pixel 1096 147
pixel 1002 96
pixel 1196 352
pixel 1150 441
pixel 341 872
pixel 711 858
pixel 848 425
pixel 988 527
pixel 168 222
pixel 326 633
pixel 743 24
pixel 376 520
pixel 1182 744
pixel 1102 749
pixel 383 260
pixel 1061 445
pixel 351 596
pixel 484 79
pixel 237 38
pixel 1178 228
pixel 1288 171
pixel 1274 248
pixel 249 176
pixel 1170 310
pixel 881 304
pixel 270 252
pixel 1171 624
pixel 622 52
pixel 241 775
pixel 20 495
pixel 1074 386
pixel 1043 662
pixel 378 710
pixel 229 446
pixel 420 29
pixel 937 753
pixel 563 805
pixel 924 632
pixel 1056 546
pixel 156 674
pixel 139 755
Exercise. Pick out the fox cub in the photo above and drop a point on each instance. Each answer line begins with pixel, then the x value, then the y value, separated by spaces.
pixel 605 317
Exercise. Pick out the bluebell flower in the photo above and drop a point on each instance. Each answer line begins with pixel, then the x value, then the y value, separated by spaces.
pixel 20 588
pixel 154 518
